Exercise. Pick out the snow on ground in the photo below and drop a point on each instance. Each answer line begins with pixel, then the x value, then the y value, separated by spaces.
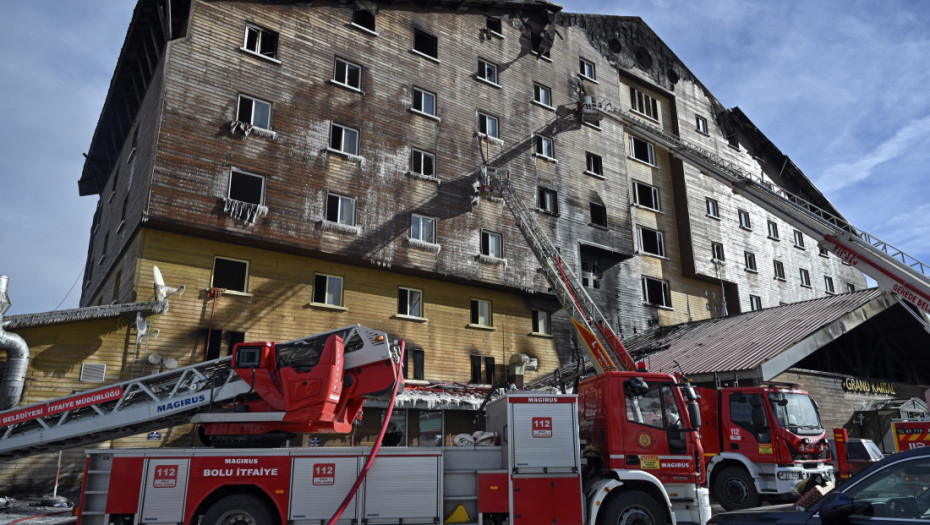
pixel 30 510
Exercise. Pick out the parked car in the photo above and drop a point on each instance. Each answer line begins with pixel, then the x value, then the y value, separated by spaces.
pixel 860 454
pixel 894 490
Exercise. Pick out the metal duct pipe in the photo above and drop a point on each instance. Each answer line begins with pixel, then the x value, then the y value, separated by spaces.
pixel 17 351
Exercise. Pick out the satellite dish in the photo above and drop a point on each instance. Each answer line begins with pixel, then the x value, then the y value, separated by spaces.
pixel 141 325
pixel 162 292
pixel 170 363
pixel 155 358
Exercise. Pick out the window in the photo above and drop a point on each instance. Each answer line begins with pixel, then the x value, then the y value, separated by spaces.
pixel 364 19
pixel 492 244
pixel 476 364
pixel 650 241
pixel 716 250
pixel 850 288
pixel 494 25
pixel 805 278
pixel 245 187
pixel 642 151
pixel 548 201
pixel 488 125
pixel 327 289
pixel 542 95
pixel 409 302
pixel 773 230
pixel 823 251
pixel 701 124
pixel 655 292
pixel 230 274
pixel 340 209
pixel 343 139
pixel 542 322
pixel 798 239
pixel 261 41
pixel 644 104
pixel 423 163
pixel 713 209
pixel 423 228
pixel 487 71
pixel 594 164
pixel 590 273
pixel 646 196
pixel 779 270
pixel 347 74
pixel 750 262
pixel 545 147
pixel 425 43
pixel 254 111
pixel 586 68
pixel 481 312
pixel 755 302
pixel 598 214
pixel 828 284
pixel 418 358
pixel 536 40
pixel 424 101
pixel 744 221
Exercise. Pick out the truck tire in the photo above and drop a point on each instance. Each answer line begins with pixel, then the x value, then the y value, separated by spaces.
pixel 238 509
pixel 633 507
pixel 734 489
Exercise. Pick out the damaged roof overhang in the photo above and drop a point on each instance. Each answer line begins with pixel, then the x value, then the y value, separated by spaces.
pixel 89 313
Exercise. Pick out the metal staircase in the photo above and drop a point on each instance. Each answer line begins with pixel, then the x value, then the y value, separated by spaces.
pixel 894 270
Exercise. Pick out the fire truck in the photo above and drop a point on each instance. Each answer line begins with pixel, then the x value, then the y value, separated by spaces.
pixel 910 433
pixel 760 441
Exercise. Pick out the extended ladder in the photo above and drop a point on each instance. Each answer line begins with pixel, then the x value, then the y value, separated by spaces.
pixel 591 324
pixel 894 270
pixel 119 410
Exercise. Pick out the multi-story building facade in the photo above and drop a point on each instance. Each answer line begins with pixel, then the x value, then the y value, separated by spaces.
pixel 299 167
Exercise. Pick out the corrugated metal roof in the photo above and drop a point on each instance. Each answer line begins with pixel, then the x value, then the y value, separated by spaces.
pixel 748 341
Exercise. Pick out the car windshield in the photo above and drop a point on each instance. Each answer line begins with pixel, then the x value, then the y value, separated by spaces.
pixel 902 490
pixel 796 412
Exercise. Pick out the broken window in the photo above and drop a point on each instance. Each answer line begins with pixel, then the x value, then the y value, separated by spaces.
pixel 542 95
pixel 805 278
pixel 494 26
pixel 598 214
pixel 410 302
pixel 418 358
pixel 254 111
pixel 230 274
pixel 646 196
pixel 215 340
pixel 642 151
pixel 586 68
pixel 828 284
pixel 779 270
pixel 424 101
pixel 488 125
pixel 327 289
pixel 593 164
pixel 340 209
pixel 701 124
pixel 423 163
pixel 423 228
pixel 716 250
pixel 536 40
pixel 487 71
pixel 245 187
pixel 343 139
pixel 750 259
pixel 656 293
pixel 481 312
pixel 542 323
pixel 650 241
pixel 260 41
pixel 545 147
pixel 492 244
pixel 548 201
pixel 364 19
pixel 744 221
pixel 425 43
pixel 713 209
pixel 590 272
pixel 773 230
pixel 347 74
pixel 755 302
pixel 644 104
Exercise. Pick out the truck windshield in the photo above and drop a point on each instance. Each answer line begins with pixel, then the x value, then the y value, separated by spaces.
pixel 796 412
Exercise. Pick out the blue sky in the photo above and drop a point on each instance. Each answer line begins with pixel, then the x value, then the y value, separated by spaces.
pixel 841 87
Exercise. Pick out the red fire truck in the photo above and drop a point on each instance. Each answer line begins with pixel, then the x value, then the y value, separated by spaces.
pixel 910 433
pixel 760 441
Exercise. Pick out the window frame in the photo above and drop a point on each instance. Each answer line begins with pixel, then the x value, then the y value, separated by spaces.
pixel 594 164
pixel 260 32
pixel 541 318
pixel 421 156
pixel 654 192
pixel 828 285
pixel 538 90
pixel 659 239
pixel 494 25
pixel 644 104
pixel 233 173
pixel 805 277
pixel 483 120
pixel 253 101
pixel 475 318
pixel 417 221
pixel 406 295
pixel 745 221
pixel 341 202
pixel 347 68
pixel 334 126
pixel 245 265
pixel 361 24
pixel 712 203
pixel 750 260
pixel 488 72
pixel 717 252
pixel 584 66
pixel 425 44
pixel 598 215
pixel 755 303
pixel 420 96
pixel 545 147
pixel 487 247
pixel 650 151
pixel 773 230
pixel 779 268
pixel 325 293
pixel 547 200
pixel 799 239
pixel 665 291
pixel 701 125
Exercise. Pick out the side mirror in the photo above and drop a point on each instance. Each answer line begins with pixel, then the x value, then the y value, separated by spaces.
pixel 694 414
pixel 837 509
pixel 637 387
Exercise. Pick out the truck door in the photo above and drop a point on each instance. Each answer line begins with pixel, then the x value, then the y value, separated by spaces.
pixel 747 429
pixel 655 430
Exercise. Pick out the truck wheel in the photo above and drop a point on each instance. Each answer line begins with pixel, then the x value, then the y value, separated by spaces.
pixel 238 509
pixel 735 490
pixel 633 508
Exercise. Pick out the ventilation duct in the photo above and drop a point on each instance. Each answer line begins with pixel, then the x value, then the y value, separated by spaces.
pixel 17 357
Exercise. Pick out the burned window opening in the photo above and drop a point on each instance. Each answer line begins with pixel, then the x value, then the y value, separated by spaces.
pixel 230 274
